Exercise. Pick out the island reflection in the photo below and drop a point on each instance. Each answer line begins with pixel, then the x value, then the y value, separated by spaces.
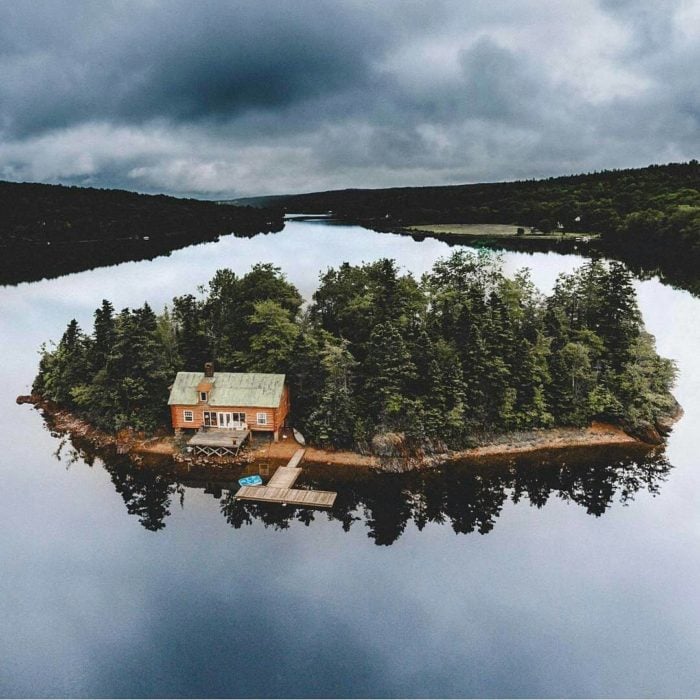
pixel 468 496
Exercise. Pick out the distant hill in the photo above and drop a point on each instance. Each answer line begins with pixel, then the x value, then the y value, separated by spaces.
pixel 49 230
pixel 31 212
pixel 648 217
pixel 597 202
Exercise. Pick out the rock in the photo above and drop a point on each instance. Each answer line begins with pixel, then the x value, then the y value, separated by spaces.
pixel 646 432
pixel 397 454
pixel 388 445
pixel 27 398
pixel 664 424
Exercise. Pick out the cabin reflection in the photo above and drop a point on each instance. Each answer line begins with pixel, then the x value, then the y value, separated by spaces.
pixel 468 496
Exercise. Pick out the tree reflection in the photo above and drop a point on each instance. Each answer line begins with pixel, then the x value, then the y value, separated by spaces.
pixel 147 493
pixel 468 496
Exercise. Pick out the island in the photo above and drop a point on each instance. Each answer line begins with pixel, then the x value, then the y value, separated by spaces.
pixel 378 369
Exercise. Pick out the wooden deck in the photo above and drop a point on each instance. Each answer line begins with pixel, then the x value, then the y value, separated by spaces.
pixel 218 442
pixel 279 489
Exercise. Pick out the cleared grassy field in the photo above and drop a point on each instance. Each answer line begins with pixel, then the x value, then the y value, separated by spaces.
pixel 496 231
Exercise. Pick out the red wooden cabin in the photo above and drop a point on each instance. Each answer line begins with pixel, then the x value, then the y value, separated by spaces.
pixel 229 401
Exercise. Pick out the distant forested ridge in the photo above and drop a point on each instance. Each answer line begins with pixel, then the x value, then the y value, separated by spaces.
pixel 49 230
pixel 464 351
pixel 647 214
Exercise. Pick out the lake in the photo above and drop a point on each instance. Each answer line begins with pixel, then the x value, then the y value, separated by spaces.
pixel 523 580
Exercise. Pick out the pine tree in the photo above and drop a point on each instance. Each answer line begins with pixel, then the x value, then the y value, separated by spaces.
pixel 334 420
pixel 103 335
pixel 306 374
pixel 387 370
pixel 67 369
pixel 618 315
pixel 190 332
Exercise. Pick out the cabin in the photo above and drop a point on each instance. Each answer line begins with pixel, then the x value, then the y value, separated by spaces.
pixel 229 403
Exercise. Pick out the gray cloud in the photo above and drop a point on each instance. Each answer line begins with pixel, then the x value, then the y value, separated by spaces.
pixel 178 60
pixel 216 98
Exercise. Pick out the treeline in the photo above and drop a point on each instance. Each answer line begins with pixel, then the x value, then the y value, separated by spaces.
pixel 653 208
pixel 32 212
pixel 49 230
pixel 461 352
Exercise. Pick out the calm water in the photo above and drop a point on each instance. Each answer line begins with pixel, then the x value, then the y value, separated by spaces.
pixel 393 595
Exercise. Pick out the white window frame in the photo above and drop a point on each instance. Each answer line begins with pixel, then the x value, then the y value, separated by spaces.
pixel 262 416
pixel 188 416
pixel 204 396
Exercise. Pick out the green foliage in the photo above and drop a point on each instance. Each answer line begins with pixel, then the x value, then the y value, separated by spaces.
pixel 464 351
pixel 333 421
pixel 51 230
pixel 595 202
pixel 227 314
pixel 272 338
pixel 649 217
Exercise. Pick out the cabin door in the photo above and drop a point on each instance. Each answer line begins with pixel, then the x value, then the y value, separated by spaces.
pixel 232 421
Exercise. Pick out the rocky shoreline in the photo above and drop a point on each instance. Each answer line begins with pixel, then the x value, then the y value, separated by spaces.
pixel 391 457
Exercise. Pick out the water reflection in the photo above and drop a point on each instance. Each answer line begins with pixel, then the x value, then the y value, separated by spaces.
pixel 677 268
pixel 34 262
pixel 469 496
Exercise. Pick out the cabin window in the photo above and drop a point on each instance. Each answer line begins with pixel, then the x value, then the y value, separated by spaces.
pixel 203 396
pixel 262 418
pixel 189 416
pixel 210 419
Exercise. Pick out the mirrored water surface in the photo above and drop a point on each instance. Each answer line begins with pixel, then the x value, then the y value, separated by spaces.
pixel 573 577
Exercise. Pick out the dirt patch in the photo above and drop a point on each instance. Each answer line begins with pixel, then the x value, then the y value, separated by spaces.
pixel 156 446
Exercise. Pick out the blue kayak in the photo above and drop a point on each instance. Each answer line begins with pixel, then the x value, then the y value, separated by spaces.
pixel 254 480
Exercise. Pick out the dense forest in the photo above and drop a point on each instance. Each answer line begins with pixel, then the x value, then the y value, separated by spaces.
pixel 444 360
pixel 649 214
pixel 50 230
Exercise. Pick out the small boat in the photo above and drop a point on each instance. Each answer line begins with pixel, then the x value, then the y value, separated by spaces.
pixel 299 437
pixel 254 480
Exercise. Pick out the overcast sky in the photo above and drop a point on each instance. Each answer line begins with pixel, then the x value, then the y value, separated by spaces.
pixel 229 99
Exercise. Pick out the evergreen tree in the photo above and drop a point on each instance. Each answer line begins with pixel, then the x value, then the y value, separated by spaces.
pixel 618 317
pixel 387 371
pixel 66 368
pixel 193 344
pixel 334 421
pixel 306 373
pixel 103 335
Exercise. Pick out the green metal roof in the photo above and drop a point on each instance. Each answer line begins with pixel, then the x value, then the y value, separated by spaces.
pixel 230 389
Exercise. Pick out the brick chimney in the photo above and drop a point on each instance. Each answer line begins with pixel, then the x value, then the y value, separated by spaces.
pixel 208 369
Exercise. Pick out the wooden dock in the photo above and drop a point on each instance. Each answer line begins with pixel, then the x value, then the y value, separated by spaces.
pixel 279 489
pixel 284 477
pixel 296 497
